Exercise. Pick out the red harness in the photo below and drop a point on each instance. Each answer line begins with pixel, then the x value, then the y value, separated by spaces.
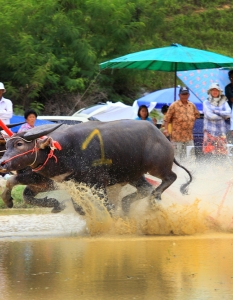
pixel 50 155
pixel 55 146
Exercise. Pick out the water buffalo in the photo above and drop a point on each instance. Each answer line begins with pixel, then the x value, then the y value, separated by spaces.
pixel 95 153
pixel 2 139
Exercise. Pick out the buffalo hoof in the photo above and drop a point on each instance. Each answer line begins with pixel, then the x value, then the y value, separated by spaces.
pixel 110 208
pixel 58 208
pixel 155 195
pixel 9 203
pixel 6 196
pixel 154 202
pixel 78 208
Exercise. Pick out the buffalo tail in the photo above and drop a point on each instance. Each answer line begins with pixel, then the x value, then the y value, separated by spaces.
pixel 184 187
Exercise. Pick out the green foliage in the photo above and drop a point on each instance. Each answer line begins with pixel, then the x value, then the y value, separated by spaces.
pixel 37 106
pixel 18 110
pixel 51 48
pixel 157 115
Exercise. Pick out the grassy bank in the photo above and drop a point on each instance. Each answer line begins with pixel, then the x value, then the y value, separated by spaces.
pixel 17 194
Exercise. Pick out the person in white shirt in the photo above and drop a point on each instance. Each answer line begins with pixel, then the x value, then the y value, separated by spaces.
pixel 6 107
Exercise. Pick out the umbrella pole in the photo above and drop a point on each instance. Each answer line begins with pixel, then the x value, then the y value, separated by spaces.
pixel 175 82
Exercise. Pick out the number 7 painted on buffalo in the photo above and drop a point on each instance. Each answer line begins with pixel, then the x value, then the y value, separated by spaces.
pixel 102 160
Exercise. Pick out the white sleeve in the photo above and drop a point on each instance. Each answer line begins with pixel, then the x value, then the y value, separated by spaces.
pixel 224 113
pixel 8 112
pixel 209 113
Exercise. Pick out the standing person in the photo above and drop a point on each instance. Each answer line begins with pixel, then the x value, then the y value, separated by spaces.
pixel 6 107
pixel 143 114
pixel 182 115
pixel 164 110
pixel 216 112
pixel 229 89
pixel 30 117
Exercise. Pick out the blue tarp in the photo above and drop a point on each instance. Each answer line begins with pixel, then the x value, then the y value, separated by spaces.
pixel 166 96
pixel 199 80
pixel 18 119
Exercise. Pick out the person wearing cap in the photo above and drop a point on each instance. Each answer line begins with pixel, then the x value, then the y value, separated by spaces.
pixel 6 107
pixel 229 89
pixel 182 115
pixel 216 112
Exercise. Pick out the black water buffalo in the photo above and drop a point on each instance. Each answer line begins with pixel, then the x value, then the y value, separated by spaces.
pixel 95 153
pixel 2 139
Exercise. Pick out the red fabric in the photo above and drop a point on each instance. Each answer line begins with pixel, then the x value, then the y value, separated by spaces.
pixel 216 145
pixel 57 145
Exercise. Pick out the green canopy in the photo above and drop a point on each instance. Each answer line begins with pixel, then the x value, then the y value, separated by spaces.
pixel 173 58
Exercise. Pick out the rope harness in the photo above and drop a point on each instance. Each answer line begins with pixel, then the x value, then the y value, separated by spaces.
pixel 54 146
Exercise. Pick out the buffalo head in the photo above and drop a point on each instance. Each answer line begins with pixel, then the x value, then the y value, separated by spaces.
pixel 22 149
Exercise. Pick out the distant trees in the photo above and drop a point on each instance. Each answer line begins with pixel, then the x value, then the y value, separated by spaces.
pixel 51 49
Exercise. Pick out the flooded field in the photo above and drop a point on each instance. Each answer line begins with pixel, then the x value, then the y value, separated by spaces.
pixel 181 249
pixel 117 268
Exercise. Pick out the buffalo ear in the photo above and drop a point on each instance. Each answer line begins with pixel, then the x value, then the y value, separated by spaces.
pixel 44 142
pixel 39 131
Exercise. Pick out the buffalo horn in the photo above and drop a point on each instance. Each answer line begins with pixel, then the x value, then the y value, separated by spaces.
pixel 39 131
pixel 12 125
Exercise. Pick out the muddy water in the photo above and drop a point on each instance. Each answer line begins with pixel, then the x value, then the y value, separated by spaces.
pixel 117 268
pixel 180 249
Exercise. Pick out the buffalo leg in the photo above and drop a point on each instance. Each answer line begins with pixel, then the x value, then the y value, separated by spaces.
pixel 166 182
pixel 143 190
pixel 6 194
pixel 29 198
pixel 102 195
pixel 31 191
pixel 36 183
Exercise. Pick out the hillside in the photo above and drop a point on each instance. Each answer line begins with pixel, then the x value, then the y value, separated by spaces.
pixel 50 51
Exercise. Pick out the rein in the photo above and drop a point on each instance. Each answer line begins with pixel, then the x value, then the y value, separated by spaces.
pixel 55 145
pixel 50 155
pixel 21 154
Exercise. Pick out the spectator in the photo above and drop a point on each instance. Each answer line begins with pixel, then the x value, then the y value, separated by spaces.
pixel 30 117
pixel 164 110
pixel 182 115
pixel 216 112
pixel 143 114
pixel 6 107
pixel 229 89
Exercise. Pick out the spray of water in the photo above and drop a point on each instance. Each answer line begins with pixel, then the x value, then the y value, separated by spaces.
pixel 207 208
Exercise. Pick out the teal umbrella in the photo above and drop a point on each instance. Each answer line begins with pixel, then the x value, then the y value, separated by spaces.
pixel 170 59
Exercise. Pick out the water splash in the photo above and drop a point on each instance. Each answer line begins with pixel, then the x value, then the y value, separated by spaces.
pixel 207 208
